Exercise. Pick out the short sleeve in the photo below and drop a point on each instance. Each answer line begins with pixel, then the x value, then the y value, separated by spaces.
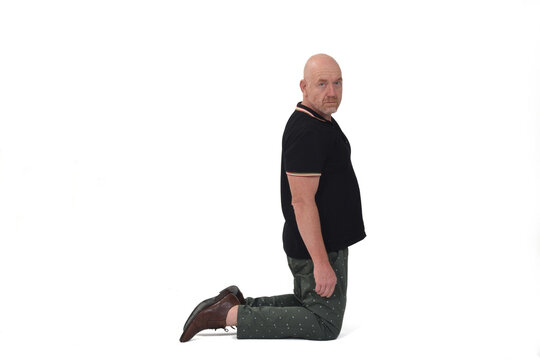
pixel 304 153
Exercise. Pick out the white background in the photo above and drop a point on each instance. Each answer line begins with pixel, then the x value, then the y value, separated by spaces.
pixel 139 173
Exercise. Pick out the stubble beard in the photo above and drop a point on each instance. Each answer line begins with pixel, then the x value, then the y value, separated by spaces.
pixel 331 109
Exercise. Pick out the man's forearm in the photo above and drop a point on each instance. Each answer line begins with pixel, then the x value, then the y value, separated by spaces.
pixel 309 226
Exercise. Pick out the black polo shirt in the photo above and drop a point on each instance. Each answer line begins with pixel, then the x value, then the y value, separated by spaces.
pixel 313 145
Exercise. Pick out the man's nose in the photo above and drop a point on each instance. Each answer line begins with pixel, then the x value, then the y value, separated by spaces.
pixel 331 90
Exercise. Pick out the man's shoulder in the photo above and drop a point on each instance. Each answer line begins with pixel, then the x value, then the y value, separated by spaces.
pixel 299 125
pixel 300 121
pixel 295 122
pixel 301 129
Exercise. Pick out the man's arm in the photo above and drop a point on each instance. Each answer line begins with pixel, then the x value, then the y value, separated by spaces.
pixel 303 189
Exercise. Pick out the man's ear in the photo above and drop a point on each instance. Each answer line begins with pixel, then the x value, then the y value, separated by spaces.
pixel 303 85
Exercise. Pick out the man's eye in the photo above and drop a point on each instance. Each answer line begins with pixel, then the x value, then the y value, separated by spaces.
pixel 321 84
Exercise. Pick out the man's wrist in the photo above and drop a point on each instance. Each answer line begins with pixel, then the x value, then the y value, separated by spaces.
pixel 321 262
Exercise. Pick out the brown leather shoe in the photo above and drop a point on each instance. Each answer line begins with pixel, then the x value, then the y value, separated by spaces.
pixel 233 289
pixel 211 317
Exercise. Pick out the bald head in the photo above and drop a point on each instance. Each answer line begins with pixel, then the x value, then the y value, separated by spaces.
pixel 322 85
pixel 318 62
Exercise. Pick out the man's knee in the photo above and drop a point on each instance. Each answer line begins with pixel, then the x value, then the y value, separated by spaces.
pixel 331 333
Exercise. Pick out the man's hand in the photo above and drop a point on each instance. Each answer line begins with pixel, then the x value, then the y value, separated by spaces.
pixel 325 279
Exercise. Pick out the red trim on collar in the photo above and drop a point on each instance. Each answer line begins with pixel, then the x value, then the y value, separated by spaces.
pixel 311 114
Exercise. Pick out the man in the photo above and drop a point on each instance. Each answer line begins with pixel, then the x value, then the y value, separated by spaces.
pixel 323 217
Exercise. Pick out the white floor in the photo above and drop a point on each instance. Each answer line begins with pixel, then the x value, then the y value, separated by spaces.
pixel 131 302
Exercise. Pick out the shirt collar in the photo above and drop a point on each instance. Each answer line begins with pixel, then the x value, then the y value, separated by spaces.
pixel 312 113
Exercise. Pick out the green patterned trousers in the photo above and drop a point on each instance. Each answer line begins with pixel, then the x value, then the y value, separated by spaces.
pixel 304 315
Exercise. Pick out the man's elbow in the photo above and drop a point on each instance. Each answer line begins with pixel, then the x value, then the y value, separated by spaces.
pixel 303 202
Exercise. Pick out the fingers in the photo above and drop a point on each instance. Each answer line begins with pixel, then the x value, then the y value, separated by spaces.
pixel 327 292
pixel 331 290
pixel 325 281
pixel 326 289
pixel 318 288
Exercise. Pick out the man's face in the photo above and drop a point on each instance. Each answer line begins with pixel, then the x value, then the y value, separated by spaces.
pixel 322 89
